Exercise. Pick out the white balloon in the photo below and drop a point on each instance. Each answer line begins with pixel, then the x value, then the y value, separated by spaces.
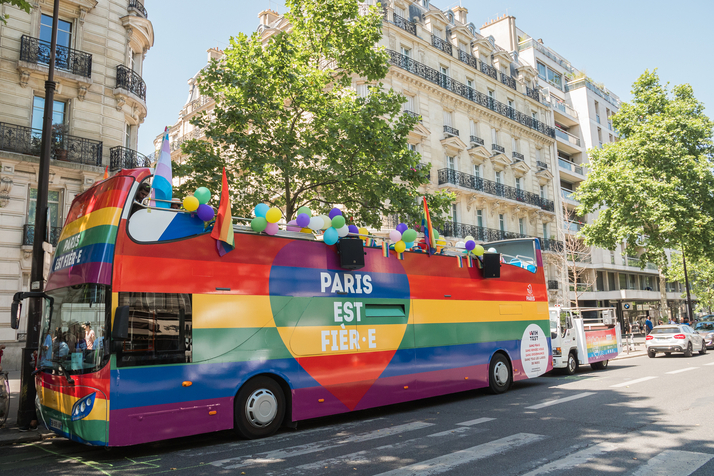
pixel 326 222
pixel 342 232
pixel 460 244
pixel 492 250
pixel 395 236
pixel 315 223
pixel 469 238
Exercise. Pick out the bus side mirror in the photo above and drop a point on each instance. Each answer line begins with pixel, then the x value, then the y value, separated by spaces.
pixel 120 330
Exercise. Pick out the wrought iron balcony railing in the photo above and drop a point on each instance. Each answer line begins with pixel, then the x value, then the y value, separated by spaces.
pixel 488 70
pixel 28 235
pixel 450 130
pixel 533 93
pixel 64 147
pixel 131 81
pixel 413 114
pixel 479 184
pixel 508 81
pixel 551 245
pixel 442 45
pixel 34 50
pixel 404 24
pixel 139 7
pixel 469 93
pixel 477 140
pixel 517 156
pixel 552 284
pixel 480 233
pixel 464 57
pixel 498 148
pixel 541 165
pixel 123 158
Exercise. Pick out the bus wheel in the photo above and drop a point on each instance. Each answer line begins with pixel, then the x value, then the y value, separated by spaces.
pixel 259 408
pixel 500 375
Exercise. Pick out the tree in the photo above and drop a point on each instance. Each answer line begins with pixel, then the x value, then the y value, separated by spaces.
pixel 572 266
pixel 653 188
pixel 22 4
pixel 292 131
pixel 700 271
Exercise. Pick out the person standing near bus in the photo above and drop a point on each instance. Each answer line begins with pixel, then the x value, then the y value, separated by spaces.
pixel 89 336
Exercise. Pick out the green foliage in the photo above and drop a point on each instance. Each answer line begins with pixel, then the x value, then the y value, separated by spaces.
pixel 700 271
pixel 654 187
pixel 290 130
pixel 22 4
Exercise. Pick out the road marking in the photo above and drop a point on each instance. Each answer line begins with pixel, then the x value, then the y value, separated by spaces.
pixel 476 421
pixel 560 400
pixel 681 370
pixel 280 455
pixel 673 463
pixel 446 463
pixel 630 382
pixel 573 460
pixel 455 431
pixel 710 363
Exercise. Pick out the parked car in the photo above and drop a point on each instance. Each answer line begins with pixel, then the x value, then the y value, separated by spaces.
pixel 706 330
pixel 707 318
pixel 674 338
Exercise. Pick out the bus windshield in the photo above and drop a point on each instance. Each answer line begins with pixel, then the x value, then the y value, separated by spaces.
pixel 73 338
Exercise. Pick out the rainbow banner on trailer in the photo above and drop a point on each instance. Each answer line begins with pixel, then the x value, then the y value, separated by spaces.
pixel 602 345
pixel 223 228
pixel 161 187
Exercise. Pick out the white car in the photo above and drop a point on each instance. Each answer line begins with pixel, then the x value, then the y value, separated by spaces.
pixel 674 338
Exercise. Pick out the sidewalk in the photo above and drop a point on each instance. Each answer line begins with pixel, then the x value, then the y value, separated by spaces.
pixel 636 347
pixel 9 434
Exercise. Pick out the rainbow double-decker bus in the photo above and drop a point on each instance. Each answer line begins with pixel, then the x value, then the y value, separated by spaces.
pixel 151 335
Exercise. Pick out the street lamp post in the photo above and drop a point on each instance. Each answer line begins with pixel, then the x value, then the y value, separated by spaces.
pixel 25 411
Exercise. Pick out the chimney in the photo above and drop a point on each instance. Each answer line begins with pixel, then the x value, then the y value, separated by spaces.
pixel 214 53
pixel 460 14
pixel 266 17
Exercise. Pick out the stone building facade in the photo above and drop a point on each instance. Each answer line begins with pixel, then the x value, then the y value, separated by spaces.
pixel 100 101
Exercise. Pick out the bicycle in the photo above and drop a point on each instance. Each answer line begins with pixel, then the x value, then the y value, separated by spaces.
pixel 4 397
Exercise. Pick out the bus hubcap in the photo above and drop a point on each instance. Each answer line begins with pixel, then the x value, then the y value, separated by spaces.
pixel 261 407
pixel 500 373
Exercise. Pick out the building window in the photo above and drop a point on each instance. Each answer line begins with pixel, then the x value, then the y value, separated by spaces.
pixel 438 33
pixel 412 147
pixel 362 90
pixel 477 171
pixel 521 226
pixel 494 136
pixel 400 11
pixel 127 136
pixel 538 155
pixel 611 281
pixel 551 76
pixel 407 52
pixel 518 184
pixel 479 218
pixel 542 71
pixel 410 105
pixel 501 222
pixel 454 213
pixel 38 112
pixel 64 31
pixel 514 144
pixel 470 83
pixel 611 139
pixel 499 177
pixel 450 162
pixel 510 104
pixel 447 118
pixel 545 230
pixel 543 191
pixel 53 205
pixel 534 115
pixel 599 135
pixel 491 94
pixel 444 70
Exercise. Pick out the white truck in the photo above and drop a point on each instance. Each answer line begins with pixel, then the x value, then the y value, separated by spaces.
pixel 584 336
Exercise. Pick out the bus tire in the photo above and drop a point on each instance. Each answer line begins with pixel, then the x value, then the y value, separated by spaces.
pixel 500 374
pixel 602 365
pixel 259 408
pixel 572 365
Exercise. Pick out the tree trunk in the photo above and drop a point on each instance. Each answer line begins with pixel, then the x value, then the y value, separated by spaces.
pixel 664 314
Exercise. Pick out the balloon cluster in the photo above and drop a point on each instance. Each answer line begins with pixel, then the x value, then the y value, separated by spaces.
pixel 403 238
pixel 198 202
pixel 266 219
pixel 469 244
pixel 336 227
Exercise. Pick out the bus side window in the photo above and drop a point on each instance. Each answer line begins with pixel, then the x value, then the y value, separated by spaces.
pixel 160 329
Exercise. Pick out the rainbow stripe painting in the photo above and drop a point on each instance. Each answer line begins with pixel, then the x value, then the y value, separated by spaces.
pixel 602 345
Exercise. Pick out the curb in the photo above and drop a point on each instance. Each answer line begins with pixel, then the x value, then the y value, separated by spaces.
pixel 13 436
pixel 631 355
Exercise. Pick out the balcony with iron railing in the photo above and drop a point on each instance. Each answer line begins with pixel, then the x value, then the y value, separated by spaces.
pixel 430 74
pixel 130 80
pixel 441 44
pixel 64 147
pixel 570 166
pixel 480 233
pixel 552 284
pixel 541 165
pixel 496 149
pixel 508 81
pixel 470 60
pixel 553 245
pixel 404 24
pixel 139 7
pixel 471 182
pixel 413 114
pixel 567 137
pixel 533 93
pixel 476 140
pixel 488 70
pixel 517 156
pixel 451 131
pixel 28 235
pixel 36 51
pixel 195 105
pixel 123 158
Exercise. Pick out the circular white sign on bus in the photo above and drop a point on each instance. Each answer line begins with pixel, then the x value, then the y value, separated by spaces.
pixel 534 351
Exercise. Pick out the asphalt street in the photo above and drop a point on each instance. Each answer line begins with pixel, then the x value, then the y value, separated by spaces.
pixel 639 417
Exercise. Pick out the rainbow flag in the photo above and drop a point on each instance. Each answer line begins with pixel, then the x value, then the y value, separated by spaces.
pixel 428 230
pixel 161 187
pixel 385 249
pixel 400 256
pixel 459 261
pixel 469 261
pixel 223 228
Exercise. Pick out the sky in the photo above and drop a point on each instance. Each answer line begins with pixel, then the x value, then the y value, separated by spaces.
pixel 614 42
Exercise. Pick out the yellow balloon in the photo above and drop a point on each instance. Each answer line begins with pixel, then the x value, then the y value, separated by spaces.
pixel 306 230
pixel 273 215
pixel 190 203
pixel 478 250
pixel 400 246
pixel 440 242
pixel 363 233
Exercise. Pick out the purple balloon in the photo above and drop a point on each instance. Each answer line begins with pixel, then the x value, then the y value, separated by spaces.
pixel 353 229
pixel 470 245
pixel 334 212
pixel 303 220
pixel 205 212
pixel 292 226
pixel 401 228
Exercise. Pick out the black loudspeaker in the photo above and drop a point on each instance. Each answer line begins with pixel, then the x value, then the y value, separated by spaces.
pixel 351 252
pixel 492 265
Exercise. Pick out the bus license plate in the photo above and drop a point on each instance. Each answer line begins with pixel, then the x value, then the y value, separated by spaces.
pixel 56 424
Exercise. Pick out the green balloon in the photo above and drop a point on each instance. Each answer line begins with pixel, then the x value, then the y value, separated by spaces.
pixel 338 222
pixel 409 236
pixel 304 210
pixel 258 224
pixel 436 235
pixel 203 195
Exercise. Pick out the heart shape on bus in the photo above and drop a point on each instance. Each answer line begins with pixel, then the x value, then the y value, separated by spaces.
pixel 342 327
